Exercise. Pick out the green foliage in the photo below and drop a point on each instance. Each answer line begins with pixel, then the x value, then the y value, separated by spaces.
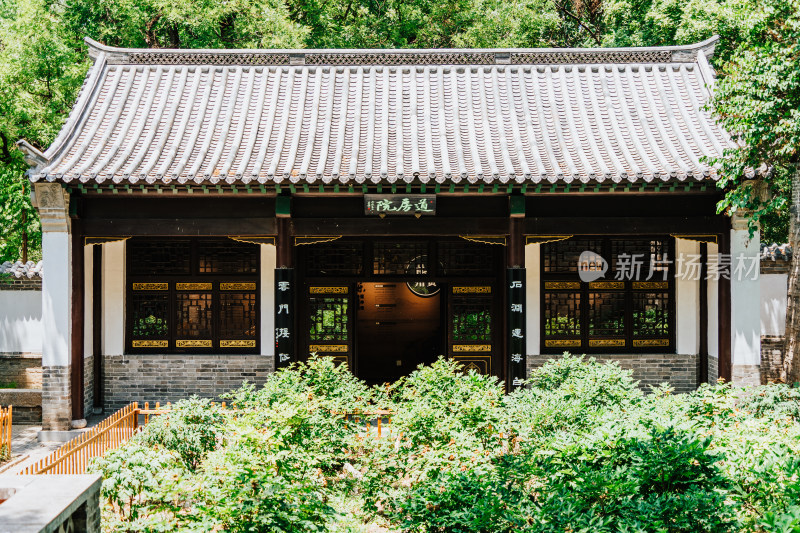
pixel 580 449
pixel 758 102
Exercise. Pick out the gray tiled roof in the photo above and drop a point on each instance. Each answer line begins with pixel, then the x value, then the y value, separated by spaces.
pixel 776 252
pixel 389 115
pixel 21 270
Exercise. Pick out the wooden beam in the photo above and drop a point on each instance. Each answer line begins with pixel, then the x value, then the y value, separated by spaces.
pixel 190 227
pixel 622 225
pixel 394 226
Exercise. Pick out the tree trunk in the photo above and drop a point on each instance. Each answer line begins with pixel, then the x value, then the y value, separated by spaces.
pixel 791 352
pixel 24 236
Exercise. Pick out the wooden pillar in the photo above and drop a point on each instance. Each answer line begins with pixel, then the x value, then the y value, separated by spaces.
pixel 703 355
pixel 76 350
pixel 516 228
pixel 97 325
pixel 283 242
pixel 724 318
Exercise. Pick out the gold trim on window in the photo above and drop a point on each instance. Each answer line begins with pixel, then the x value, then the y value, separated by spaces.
pixel 237 344
pixel 305 241
pixel 599 343
pixel 650 342
pixel 461 348
pixel 328 348
pixel 544 239
pixel 150 286
pixel 194 343
pixel 194 286
pixel 485 239
pixel 607 285
pixel 150 344
pixel 562 285
pixel 237 286
pixel 472 290
pixel 562 343
pixel 650 285
pixel 328 290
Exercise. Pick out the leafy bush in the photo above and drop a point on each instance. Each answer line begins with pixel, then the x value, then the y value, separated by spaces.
pixel 581 449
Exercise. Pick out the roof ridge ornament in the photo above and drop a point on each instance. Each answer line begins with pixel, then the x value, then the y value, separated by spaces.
pixel 402 56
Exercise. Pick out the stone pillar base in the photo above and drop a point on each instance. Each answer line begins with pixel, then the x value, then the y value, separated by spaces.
pixel 56 398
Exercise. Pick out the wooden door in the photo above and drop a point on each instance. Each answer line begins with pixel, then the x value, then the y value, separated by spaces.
pixel 329 320
pixel 473 326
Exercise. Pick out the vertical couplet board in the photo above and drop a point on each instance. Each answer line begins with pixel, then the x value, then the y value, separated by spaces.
pixel 515 285
pixel 284 317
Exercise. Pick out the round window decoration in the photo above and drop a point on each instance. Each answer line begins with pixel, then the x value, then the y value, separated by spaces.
pixel 423 289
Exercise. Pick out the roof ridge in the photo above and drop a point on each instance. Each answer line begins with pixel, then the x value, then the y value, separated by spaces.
pixel 402 56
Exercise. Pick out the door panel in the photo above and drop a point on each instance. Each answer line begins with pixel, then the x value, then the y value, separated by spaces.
pixel 472 327
pixel 330 322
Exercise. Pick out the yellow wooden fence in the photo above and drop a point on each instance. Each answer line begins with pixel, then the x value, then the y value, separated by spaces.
pixel 74 456
pixel 5 433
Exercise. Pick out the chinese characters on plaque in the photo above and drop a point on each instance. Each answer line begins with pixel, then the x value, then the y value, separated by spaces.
pixel 399 204
pixel 284 317
pixel 515 287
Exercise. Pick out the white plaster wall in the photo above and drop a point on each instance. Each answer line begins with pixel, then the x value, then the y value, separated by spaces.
pixel 21 321
pixel 88 289
pixel 113 323
pixel 533 298
pixel 712 287
pixel 56 298
pixel 268 262
pixel 745 302
pixel 687 296
pixel 774 288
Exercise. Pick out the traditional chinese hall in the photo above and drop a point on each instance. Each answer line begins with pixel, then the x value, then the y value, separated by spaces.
pixel 211 215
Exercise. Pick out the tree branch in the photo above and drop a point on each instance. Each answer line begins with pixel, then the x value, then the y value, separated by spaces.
pixel 577 19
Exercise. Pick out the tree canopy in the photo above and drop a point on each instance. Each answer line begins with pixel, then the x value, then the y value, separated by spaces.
pixel 43 58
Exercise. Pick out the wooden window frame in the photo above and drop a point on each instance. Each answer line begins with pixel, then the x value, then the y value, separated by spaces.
pixel 215 282
pixel 571 283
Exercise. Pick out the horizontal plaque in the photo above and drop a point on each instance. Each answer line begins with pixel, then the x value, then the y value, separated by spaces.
pixel 251 343
pixel 193 286
pixel 150 286
pixel 194 343
pixel 399 204
pixel 599 343
pixel 650 342
pixel 472 290
pixel 151 344
pixel 562 343
pixel 562 285
pixel 328 290
pixel 650 285
pixel 329 348
pixel 460 348
pixel 607 285
pixel 237 286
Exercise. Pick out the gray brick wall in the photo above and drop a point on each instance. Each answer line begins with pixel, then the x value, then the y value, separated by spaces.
pixel 23 370
pixel 56 409
pixel 680 371
pixel 713 369
pixel 746 375
pixel 169 378
pixel 771 358
pixel 9 283
pixel 88 384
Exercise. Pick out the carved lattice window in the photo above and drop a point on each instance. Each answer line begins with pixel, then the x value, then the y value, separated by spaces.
pixel 328 319
pixel 400 258
pixel 337 258
pixel 627 309
pixel 463 258
pixel 472 319
pixel 197 295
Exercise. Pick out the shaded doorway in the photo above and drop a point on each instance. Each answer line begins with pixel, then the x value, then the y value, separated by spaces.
pixel 398 327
